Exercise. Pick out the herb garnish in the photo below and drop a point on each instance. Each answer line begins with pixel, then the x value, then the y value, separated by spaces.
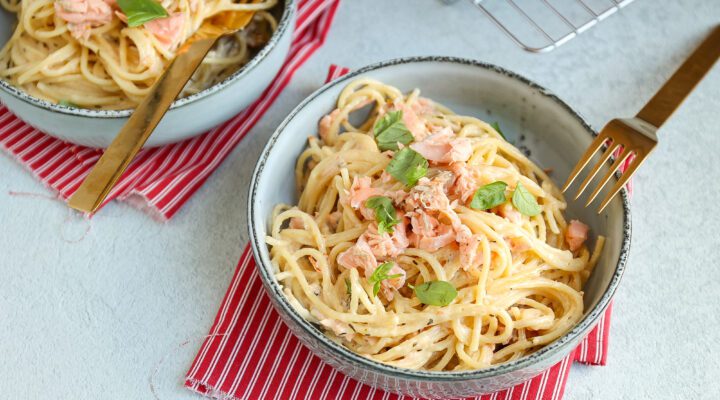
pixel 67 103
pixel 489 196
pixel 436 293
pixel 380 274
pixel 390 129
pixel 496 126
pixel 525 202
pixel 385 213
pixel 139 12
pixel 407 166
pixel 348 287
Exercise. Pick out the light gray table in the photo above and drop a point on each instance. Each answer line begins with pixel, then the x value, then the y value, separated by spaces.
pixel 95 318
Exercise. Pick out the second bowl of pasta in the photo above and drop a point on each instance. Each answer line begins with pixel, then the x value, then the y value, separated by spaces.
pixel 76 69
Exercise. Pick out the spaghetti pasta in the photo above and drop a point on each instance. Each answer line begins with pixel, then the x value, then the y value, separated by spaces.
pixel 82 52
pixel 424 240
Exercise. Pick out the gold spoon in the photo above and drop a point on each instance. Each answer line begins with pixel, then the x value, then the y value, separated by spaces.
pixel 116 158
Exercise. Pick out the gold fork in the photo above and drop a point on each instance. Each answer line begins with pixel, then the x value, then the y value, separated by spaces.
pixel 636 136
pixel 116 158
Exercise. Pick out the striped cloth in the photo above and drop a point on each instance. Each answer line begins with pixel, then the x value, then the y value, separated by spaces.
pixel 160 180
pixel 251 354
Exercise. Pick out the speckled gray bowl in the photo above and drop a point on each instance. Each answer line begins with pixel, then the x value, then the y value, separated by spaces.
pixel 187 117
pixel 556 136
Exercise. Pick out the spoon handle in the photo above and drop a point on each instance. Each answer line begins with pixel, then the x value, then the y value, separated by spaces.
pixel 116 158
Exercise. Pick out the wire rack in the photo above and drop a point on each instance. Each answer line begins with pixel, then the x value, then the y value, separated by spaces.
pixel 543 25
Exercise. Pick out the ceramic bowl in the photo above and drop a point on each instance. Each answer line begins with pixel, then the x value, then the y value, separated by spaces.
pixel 532 117
pixel 216 104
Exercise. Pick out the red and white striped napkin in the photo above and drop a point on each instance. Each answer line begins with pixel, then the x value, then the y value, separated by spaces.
pixel 251 354
pixel 160 180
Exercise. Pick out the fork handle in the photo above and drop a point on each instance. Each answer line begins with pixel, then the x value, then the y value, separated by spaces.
pixel 682 82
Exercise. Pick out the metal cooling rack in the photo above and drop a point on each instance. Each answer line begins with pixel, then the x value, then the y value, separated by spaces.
pixel 542 25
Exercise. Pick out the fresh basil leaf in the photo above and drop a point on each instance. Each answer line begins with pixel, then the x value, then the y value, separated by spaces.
pixel 390 129
pixel 496 126
pixel 525 202
pixel 436 293
pixel 380 274
pixel 407 166
pixel 385 213
pixel 348 287
pixel 489 196
pixel 139 12
pixel 67 103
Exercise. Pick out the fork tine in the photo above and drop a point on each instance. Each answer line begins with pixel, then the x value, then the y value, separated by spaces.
pixel 634 164
pixel 618 161
pixel 603 159
pixel 585 159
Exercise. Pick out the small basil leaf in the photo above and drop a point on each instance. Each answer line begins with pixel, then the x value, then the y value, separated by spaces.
pixel 525 202
pixel 139 12
pixel 489 196
pixel 67 103
pixel 348 287
pixel 436 293
pixel 385 213
pixel 376 288
pixel 390 129
pixel 496 126
pixel 407 166
pixel 380 274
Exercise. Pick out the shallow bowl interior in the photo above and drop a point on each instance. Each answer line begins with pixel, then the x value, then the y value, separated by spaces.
pixel 529 115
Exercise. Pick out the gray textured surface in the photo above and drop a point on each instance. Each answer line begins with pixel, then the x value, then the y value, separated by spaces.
pixel 95 318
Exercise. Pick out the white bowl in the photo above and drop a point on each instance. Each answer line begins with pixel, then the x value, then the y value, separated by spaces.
pixel 187 117
pixel 554 133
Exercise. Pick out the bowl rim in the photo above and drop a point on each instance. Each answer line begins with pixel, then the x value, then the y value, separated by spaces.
pixel 283 25
pixel 574 335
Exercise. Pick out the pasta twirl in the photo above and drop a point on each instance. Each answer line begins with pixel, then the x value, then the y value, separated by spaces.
pixel 83 52
pixel 424 240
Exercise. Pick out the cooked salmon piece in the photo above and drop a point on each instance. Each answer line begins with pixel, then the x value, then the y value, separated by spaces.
pixel 518 244
pixel 386 246
pixel 412 121
pixel 297 223
pixel 168 30
pixel 83 15
pixel 423 223
pixel 361 257
pixel 423 106
pixel 576 234
pixel 469 245
pixel 358 256
pixel 443 236
pixel 326 123
pixel 465 184
pixel 428 233
pixel 333 219
pixel 430 194
pixel 360 191
pixel 444 147
pixel 509 212
pixel 339 328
